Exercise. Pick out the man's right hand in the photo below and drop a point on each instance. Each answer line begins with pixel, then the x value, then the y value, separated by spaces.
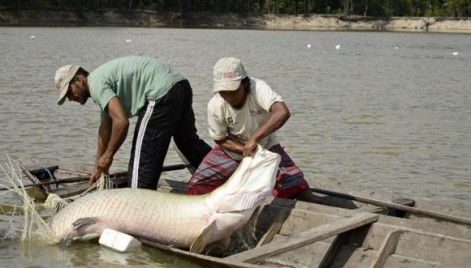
pixel 95 176
pixel 102 166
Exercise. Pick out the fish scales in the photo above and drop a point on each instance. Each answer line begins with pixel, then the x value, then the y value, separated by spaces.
pixel 122 210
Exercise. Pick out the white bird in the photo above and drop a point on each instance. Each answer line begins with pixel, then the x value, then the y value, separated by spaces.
pixel 337 47
pixel 308 45
pixel 455 53
pixel 32 37
pixel 128 40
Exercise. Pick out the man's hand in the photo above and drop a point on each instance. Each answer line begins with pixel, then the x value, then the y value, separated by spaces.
pixel 95 176
pixel 249 147
pixel 102 166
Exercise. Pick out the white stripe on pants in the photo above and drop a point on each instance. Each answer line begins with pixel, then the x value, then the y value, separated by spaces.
pixel 140 137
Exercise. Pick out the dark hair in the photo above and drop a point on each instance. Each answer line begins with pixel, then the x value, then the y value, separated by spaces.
pixel 246 83
pixel 81 71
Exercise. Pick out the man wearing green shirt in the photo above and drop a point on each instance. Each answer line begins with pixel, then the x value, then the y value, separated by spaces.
pixel 143 87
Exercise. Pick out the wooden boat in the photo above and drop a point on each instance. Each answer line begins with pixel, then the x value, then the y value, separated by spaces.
pixel 342 230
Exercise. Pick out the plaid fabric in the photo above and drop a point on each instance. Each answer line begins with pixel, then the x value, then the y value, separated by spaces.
pixel 217 167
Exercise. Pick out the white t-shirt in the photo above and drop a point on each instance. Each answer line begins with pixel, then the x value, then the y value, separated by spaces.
pixel 224 119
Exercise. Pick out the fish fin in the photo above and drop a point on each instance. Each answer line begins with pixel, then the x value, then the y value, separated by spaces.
pixel 83 223
pixel 203 239
pixel 86 237
pixel 79 229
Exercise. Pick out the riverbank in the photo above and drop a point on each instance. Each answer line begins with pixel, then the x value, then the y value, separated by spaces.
pixel 147 18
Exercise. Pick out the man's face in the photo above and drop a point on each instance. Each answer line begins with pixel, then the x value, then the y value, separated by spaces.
pixel 77 90
pixel 235 98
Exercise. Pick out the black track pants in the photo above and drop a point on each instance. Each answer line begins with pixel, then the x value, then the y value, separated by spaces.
pixel 170 116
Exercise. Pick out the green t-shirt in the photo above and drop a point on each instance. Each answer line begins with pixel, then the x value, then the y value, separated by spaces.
pixel 134 80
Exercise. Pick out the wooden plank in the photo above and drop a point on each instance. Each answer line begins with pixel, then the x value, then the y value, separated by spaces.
pixel 275 227
pixel 304 238
pixel 459 263
pixel 433 246
pixel 387 249
pixel 358 257
pixel 206 261
pixel 334 247
pixel 309 256
pixel 302 220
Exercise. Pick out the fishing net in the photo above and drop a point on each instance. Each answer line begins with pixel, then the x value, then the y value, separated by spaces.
pixel 33 226
pixel 55 202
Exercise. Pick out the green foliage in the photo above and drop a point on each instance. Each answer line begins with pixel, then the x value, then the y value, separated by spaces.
pixel 457 8
pixel 372 8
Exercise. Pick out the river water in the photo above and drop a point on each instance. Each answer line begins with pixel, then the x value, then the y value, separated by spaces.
pixel 390 111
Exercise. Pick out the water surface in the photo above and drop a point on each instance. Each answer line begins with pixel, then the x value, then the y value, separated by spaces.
pixel 390 111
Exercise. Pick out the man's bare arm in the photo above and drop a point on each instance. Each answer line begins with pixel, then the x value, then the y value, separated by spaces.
pixel 279 114
pixel 112 134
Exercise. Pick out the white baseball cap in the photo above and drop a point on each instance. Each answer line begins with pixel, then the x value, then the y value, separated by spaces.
pixel 63 76
pixel 227 74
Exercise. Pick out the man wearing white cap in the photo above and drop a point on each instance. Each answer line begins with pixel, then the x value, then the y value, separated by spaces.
pixel 245 112
pixel 143 87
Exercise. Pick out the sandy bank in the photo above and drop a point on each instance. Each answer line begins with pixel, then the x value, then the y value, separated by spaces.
pixel 211 20
pixel 365 24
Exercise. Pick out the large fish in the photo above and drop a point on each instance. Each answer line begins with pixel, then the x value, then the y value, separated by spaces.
pixel 183 221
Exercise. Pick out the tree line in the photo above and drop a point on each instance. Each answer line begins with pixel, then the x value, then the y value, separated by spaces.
pixel 370 8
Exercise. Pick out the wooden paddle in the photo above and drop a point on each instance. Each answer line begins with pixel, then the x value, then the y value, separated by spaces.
pixel 413 210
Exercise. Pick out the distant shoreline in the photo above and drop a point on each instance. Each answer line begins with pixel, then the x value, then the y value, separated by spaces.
pixel 145 18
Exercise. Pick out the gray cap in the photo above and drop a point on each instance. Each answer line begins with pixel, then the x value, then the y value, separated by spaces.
pixel 227 74
pixel 62 79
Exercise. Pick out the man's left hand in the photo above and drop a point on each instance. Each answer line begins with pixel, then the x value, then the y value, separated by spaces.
pixel 249 147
